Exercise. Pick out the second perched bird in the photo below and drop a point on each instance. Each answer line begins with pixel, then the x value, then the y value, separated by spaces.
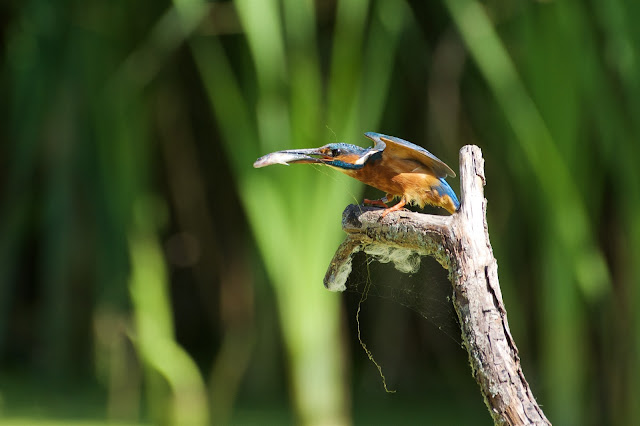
pixel 393 165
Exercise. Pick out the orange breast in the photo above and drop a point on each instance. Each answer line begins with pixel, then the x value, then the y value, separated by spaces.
pixel 393 176
pixel 402 178
pixel 378 176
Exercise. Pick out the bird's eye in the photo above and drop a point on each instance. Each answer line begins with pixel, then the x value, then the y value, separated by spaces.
pixel 335 152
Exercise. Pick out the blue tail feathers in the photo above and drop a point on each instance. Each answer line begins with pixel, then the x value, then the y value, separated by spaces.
pixel 444 189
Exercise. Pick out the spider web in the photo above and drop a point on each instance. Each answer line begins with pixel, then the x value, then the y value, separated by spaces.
pixel 417 282
pixel 405 278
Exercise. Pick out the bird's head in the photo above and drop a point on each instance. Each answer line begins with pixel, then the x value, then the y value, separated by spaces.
pixel 341 155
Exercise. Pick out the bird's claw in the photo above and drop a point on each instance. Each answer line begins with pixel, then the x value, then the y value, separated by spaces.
pixel 379 203
pixel 395 208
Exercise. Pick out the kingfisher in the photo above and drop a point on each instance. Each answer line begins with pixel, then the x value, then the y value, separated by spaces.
pixel 393 165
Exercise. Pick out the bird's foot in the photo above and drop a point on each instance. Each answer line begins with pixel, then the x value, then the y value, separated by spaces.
pixel 395 208
pixel 380 203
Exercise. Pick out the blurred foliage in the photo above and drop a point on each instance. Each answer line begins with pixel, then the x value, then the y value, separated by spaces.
pixel 149 274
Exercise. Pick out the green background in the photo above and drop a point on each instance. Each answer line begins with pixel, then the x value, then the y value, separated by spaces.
pixel 148 274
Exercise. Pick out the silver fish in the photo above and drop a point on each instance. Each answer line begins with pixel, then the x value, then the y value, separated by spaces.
pixel 287 157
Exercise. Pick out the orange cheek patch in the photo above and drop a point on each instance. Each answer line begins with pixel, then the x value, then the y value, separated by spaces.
pixel 349 158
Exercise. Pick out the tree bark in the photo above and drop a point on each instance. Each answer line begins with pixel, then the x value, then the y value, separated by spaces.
pixel 460 243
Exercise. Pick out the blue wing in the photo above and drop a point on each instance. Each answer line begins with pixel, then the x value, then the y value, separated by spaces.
pixel 405 149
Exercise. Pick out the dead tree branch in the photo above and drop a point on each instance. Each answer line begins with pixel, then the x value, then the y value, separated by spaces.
pixel 460 243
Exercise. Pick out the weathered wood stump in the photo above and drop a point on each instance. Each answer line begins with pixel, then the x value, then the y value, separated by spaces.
pixel 460 243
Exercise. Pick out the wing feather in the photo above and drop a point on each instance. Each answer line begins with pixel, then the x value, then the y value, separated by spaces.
pixel 401 149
